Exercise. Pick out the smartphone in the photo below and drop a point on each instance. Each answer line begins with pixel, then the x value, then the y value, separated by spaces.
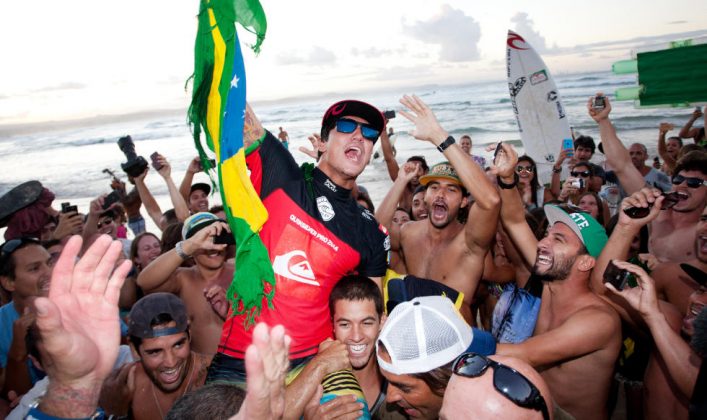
pixel 155 163
pixel 68 208
pixel 389 115
pixel 111 199
pixel 579 183
pixel 225 237
pixel 617 277
pixel 497 151
pixel 599 103
pixel 568 144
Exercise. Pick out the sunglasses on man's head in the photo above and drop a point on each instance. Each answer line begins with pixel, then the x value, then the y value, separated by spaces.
pixel 508 382
pixel 691 182
pixel 345 125
pixel 11 246
pixel 521 168
pixel 584 174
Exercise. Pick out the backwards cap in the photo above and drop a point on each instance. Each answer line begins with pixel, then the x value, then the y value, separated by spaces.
pixel 352 108
pixel 149 307
pixel 423 334
pixel 590 232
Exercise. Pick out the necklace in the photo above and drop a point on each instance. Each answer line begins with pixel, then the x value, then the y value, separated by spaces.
pixel 157 403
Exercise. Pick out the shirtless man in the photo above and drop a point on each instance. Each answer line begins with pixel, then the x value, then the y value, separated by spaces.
pixel 669 230
pixel 672 282
pixel 167 369
pixel 284 138
pixel 577 335
pixel 202 286
pixel 441 248
pixel 695 133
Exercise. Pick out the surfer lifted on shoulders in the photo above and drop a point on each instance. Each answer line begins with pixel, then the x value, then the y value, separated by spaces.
pixel 441 248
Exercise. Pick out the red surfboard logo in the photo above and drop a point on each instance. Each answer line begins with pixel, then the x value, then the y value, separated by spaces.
pixel 514 37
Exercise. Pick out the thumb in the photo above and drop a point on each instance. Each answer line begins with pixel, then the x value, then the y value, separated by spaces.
pixel 49 324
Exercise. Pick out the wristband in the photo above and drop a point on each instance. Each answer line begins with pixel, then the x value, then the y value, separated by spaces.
pixel 482 342
pixel 180 250
pixel 445 144
pixel 556 170
pixel 505 186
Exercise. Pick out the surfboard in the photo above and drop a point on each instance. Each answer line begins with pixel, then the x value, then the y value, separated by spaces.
pixel 377 154
pixel 541 117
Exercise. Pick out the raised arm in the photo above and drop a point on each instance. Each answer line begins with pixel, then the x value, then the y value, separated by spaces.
pixel 386 209
pixel 683 363
pixel 390 161
pixel 687 131
pixel 185 186
pixel 148 200
pixel 512 209
pixel 555 182
pixel 668 160
pixel 479 234
pixel 180 205
pixel 616 153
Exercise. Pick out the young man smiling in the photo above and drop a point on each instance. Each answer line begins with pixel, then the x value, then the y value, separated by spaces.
pixel 167 369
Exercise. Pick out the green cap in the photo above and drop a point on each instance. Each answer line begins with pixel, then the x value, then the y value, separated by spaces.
pixel 589 231
pixel 441 170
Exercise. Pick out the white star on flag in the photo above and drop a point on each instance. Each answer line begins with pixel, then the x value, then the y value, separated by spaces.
pixel 234 82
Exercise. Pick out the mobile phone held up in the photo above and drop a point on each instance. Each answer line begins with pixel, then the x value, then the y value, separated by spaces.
pixel 111 199
pixel 155 163
pixel 225 238
pixel 389 115
pixel 568 144
pixel 68 208
pixel 617 277
pixel 599 103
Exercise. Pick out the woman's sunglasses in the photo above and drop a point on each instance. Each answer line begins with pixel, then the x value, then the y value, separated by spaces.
pixel 521 168
pixel 508 382
pixel 345 125
pixel 691 182
pixel 584 174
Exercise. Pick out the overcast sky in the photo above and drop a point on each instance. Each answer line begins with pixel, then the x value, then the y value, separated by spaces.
pixel 79 58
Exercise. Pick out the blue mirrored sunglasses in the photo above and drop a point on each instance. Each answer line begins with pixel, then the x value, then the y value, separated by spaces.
pixel 345 125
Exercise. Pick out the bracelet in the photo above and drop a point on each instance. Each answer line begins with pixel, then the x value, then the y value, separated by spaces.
pixel 556 170
pixel 505 186
pixel 445 144
pixel 179 248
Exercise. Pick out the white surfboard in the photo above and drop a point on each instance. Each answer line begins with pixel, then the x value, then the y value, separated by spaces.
pixel 541 118
pixel 377 154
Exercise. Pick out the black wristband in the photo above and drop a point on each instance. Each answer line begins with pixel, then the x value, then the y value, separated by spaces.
pixel 556 170
pixel 445 144
pixel 505 186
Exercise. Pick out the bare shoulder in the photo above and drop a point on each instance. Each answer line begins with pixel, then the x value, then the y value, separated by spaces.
pixel 598 314
pixel 412 229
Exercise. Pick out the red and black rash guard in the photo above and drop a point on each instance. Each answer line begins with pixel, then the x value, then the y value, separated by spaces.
pixel 314 235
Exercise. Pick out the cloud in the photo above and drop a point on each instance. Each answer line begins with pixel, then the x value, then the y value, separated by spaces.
pixel 456 33
pixel 372 52
pixel 316 56
pixel 525 27
pixel 62 86
pixel 677 22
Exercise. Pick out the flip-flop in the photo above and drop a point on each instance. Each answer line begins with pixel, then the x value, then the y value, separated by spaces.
pixel 694 272
pixel 18 198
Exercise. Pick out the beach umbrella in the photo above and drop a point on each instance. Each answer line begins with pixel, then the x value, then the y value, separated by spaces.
pixel 668 75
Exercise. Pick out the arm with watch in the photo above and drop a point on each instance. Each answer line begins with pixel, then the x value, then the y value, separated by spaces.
pixel 484 213
pixel 162 274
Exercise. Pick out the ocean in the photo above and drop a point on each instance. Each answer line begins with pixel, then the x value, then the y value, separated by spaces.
pixel 70 161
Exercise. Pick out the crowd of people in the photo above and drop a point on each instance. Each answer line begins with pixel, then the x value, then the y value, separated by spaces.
pixel 472 290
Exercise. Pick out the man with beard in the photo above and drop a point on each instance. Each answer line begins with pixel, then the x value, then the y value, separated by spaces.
pixel 441 248
pixel 669 230
pixel 167 369
pixel 577 335
pixel 202 286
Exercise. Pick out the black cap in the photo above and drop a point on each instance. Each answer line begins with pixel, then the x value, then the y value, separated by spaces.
pixel 353 108
pixel 149 307
pixel 206 188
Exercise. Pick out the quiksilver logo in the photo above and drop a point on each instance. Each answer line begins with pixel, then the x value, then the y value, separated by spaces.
pixel 295 266
pixel 330 185
pixel 325 208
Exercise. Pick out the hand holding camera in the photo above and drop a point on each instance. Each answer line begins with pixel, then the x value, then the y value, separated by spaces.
pixel 135 164
pixel 599 107
pixel 643 297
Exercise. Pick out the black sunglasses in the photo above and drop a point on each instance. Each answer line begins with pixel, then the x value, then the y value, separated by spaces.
pixel 345 125
pixel 670 200
pixel 691 182
pixel 521 168
pixel 11 246
pixel 585 173
pixel 508 382
pixel 104 222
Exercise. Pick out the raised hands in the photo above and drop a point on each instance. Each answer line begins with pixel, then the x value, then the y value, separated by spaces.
pixel 79 326
pixel 426 125
pixel 599 114
pixel 317 146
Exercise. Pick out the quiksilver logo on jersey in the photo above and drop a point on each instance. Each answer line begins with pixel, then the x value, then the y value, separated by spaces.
pixel 325 208
pixel 294 266
pixel 330 185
